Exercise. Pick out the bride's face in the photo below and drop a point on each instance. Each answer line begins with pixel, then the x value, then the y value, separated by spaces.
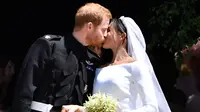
pixel 113 38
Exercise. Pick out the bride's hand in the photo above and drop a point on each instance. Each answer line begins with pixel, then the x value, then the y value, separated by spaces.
pixel 73 108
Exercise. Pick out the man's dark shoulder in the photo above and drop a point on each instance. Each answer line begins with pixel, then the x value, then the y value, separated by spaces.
pixel 50 37
pixel 46 43
pixel 49 40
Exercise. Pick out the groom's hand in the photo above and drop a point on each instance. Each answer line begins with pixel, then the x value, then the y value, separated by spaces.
pixel 73 108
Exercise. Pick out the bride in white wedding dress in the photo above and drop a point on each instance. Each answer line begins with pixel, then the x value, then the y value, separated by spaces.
pixel 130 77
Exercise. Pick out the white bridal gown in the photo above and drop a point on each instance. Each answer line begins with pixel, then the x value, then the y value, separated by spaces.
pixel 131 84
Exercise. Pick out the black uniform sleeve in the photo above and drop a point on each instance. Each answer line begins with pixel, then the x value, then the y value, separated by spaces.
pixel 30 74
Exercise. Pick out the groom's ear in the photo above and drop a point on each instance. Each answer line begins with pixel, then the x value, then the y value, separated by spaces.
pixel 90 26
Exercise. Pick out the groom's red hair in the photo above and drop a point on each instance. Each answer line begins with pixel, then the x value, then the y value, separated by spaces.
pixel 91 12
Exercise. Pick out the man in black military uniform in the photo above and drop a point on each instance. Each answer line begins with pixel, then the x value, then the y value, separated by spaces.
pixel 60 70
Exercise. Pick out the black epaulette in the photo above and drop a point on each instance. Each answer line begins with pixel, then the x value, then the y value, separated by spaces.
pixel 52 37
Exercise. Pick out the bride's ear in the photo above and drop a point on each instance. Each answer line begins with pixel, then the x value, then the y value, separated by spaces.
pixel 123 37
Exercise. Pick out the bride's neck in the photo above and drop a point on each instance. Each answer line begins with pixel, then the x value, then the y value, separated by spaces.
pixel 119 54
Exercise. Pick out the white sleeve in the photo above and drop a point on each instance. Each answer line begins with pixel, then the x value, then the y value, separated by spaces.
pixel 144 85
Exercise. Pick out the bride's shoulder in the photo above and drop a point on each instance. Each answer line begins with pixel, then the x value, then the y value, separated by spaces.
pixel 139 66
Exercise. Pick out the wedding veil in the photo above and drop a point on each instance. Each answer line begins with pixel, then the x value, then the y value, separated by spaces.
pixel 137 49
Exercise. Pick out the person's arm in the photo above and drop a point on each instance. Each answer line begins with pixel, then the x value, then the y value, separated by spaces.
pixel 145 88
pixel 73 108
pixel 30 74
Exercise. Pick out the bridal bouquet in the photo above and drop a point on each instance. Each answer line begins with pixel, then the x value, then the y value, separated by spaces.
pixel 100 103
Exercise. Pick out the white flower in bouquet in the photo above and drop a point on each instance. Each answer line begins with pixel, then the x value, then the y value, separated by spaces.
pixel 100 102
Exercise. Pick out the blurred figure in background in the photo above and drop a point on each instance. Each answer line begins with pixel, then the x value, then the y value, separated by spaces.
pixel 7 70
pixel 193 62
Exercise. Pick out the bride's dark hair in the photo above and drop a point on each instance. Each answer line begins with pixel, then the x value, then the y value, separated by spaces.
pixel 118 25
